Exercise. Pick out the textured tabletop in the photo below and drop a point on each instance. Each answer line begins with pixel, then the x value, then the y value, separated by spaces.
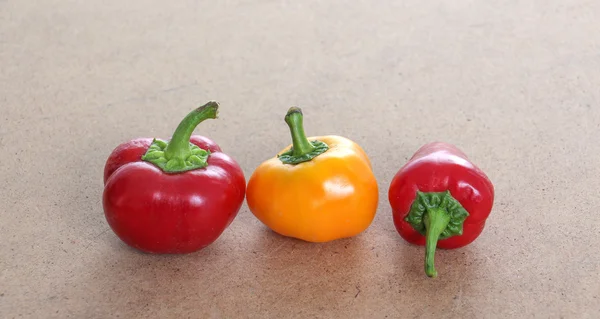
pixel 514 84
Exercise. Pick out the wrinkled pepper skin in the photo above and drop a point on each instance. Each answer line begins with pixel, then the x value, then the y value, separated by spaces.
pixel 437 168
pixel 164 212
pixel 331 196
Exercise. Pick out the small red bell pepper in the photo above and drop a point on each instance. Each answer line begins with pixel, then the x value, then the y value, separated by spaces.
pixel 439 198
pixel 175 196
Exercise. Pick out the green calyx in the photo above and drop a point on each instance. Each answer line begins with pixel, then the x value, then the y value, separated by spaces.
pixel 179 155
pixel 156 155
pixel 426 202
pixel 437 216
pixel 302 149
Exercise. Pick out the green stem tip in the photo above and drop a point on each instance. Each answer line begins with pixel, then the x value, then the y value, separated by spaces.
pixel 302 149
pixel 294 120
pixel 435 221
pixel 179 155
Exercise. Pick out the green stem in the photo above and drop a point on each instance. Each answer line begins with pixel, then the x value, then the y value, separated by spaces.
pixel 302 149
pixel 435 221
pixel 179 154
pixel 179 145
pixel 302 146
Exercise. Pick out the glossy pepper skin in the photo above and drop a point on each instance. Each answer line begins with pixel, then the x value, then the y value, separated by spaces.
pixel 440 199
pixel 174 196
pixel 318 190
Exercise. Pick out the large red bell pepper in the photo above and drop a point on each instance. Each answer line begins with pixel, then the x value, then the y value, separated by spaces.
pixel 439 198
pixel 174 196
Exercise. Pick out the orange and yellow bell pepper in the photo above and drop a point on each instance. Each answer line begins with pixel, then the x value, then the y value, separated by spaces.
pixel 317 189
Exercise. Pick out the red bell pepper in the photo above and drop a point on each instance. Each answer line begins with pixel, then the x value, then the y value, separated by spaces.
pixel 175 196
pixel 439 198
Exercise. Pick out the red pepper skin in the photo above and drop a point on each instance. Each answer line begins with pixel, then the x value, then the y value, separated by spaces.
pixel 169 210
pixel 179 213
pixel 439 167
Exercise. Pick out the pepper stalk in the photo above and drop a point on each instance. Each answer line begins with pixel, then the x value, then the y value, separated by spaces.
pixel 179 154
pixel 437 216
pixel 302 149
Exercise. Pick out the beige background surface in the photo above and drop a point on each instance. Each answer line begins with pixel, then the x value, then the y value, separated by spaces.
pixel 515 84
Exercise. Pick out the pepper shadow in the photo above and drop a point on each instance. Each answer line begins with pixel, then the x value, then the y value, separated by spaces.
pixel 290 269
pixel 277 251
pixel 449 263
pixel 127 278
pixel 457 269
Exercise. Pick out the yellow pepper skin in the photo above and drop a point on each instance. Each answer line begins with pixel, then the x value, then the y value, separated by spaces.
pixel 324 197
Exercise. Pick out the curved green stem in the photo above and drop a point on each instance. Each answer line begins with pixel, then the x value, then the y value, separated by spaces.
pixel 435 221
pixel 302 149
pixel 179 154
pixel 179 145
pixel 437 216
pixel 302 146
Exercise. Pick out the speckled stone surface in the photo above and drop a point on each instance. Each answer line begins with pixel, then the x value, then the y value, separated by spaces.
pixel 514 84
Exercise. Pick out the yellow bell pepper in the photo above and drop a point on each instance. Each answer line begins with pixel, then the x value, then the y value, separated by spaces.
pixel 318 190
